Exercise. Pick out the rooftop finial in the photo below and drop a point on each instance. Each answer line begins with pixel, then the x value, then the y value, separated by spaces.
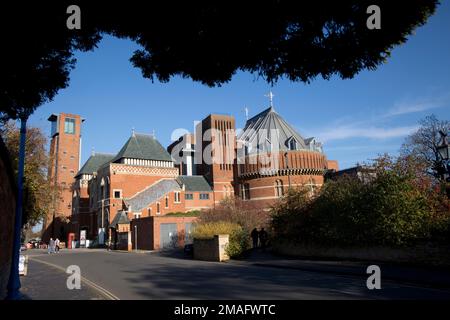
pixel 93 151
pixel 132 132
pixel 246 113
pixel 270 95
pixel 154 134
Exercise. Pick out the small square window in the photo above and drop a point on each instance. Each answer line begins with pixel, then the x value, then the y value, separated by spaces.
pixel 117 194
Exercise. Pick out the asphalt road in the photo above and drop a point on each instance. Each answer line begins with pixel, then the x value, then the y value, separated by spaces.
pixel 121 275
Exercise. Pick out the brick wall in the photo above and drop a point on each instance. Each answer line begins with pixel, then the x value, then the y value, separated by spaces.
pixel 7 211
pixel 148 231
pixel 263 192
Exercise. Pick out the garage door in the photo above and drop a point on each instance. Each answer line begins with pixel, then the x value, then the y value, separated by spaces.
pixel 169 236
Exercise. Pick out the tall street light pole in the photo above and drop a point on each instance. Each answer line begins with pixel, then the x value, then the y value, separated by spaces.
pixel 444 152
pixel 135 238
pixel 287 167
pixel 14 278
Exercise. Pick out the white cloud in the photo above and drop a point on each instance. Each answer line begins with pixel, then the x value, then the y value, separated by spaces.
pixel 347 132
pixel 405 108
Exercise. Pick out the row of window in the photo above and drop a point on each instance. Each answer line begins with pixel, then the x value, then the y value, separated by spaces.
pixel 267 146
pixel 279 189
pixel 245 190
pixel 188 196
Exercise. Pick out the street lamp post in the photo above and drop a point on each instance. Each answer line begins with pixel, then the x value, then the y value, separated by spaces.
pixel 135 238
pixel 444 152
pixel 14 278
pixel 287 167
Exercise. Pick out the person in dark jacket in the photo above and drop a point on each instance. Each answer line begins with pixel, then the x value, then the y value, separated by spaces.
pixel 255 235
pixel 263 238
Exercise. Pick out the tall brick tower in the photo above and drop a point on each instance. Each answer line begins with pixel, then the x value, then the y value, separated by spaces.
pixel 216 153
pixel 65 146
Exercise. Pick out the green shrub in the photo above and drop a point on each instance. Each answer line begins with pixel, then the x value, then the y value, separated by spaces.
pixel 194 213
pixel 238 241
pixel 392 208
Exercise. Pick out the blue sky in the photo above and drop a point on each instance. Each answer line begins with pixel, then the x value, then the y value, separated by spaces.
pixel 356 119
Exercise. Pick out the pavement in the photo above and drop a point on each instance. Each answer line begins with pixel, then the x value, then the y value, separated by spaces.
pixel 155 275
pixel 433 277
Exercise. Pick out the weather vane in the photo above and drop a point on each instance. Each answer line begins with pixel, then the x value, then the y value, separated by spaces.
pixel 270 95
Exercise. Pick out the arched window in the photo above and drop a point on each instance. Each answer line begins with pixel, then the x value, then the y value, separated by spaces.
pixel 158 208
pixel 167 201
pixel 279 190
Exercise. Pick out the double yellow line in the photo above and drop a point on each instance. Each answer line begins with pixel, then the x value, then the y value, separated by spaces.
pixel 108 295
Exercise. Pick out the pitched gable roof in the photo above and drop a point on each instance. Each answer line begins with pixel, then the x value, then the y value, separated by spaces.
pixel 120 218
pixel 144 147
pixel 94 162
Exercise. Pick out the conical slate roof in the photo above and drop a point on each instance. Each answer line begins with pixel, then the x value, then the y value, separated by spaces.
pixel 268 128
pixel 144 147
pixel 94 162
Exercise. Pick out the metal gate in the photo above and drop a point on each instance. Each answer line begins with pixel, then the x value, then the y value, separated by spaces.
pixel 169 236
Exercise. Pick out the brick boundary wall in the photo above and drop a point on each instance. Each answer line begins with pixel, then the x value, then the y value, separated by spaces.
pixel 7 211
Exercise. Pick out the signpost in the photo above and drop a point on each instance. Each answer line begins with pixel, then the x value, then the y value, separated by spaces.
pixel 23 265
pixel 82 238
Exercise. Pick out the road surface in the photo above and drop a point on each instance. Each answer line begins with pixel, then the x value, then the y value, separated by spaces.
pixel 151 275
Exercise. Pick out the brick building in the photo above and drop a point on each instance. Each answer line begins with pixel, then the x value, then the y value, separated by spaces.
pixel 137 197
pixel 65 146
pixel 273 157
pixel 140 181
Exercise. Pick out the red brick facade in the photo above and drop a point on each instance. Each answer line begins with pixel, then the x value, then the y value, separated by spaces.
pixel 142 185
pixel 65 154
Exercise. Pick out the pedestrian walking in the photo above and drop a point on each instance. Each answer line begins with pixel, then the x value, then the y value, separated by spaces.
pixel 57 245
pixel 255 235
pixel 263 237
pixel 51 246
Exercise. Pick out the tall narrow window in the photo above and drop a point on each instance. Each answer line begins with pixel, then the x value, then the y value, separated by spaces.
pixel 177 197
pixel 167 201
pixel 293 144
pixel 245 191
pixel 69 126
pixel 279 191
pixel 158 208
